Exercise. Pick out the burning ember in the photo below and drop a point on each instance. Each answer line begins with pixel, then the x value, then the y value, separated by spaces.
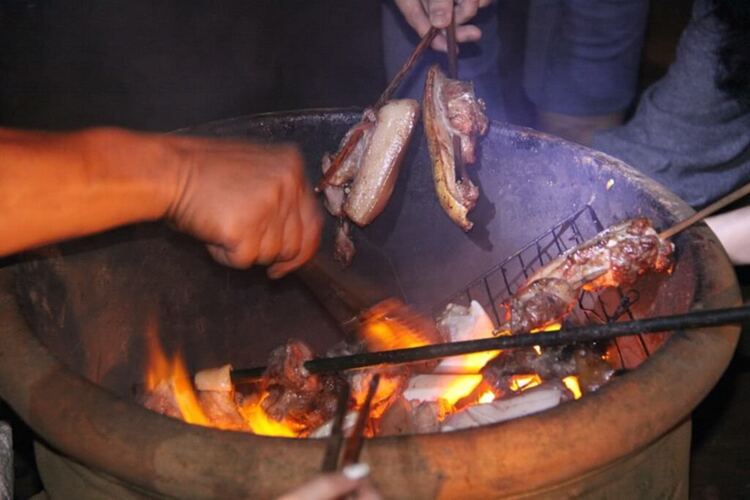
pixel 457 392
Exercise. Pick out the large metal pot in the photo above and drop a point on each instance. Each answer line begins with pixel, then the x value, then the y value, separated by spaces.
pixel 73 320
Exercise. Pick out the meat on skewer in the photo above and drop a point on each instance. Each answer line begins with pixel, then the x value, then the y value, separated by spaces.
pixel 617 256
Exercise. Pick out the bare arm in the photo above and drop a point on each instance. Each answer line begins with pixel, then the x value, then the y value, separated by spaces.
pixel 733 230
pixel 249 203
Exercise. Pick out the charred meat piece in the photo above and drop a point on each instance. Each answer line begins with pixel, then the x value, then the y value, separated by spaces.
pixel 295 394
pixel 553 363
pixel 539 304
pixel 451 109
pixel 616 256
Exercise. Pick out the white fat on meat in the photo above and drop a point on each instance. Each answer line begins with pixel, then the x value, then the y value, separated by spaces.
pixel 377 173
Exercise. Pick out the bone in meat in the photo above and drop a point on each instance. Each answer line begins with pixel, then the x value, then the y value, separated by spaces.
pixel 376 176
pixel 451 108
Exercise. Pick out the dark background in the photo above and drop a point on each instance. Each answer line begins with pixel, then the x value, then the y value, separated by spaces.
pixel 167 64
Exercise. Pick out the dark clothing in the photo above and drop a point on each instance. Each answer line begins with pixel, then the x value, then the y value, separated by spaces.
pixel 581 56
pixel 686 133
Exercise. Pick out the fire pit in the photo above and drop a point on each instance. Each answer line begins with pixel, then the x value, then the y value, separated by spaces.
pixel 74 326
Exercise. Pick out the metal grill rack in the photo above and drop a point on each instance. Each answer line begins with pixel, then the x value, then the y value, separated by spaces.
pixel 501 281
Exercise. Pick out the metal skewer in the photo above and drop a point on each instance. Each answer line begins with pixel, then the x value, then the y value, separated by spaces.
pixel 695 319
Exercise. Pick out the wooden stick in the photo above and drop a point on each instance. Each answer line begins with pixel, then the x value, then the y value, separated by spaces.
pixel 709 210
pixel 356 440
pixel 406 67
pixel 336 439
pixel 357 133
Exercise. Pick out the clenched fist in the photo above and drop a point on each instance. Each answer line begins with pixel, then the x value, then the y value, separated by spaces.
pixel 249 202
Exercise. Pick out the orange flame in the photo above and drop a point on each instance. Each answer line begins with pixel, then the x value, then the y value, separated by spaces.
pixel 571 382
pixel 523 382
pixel 260 423
pixel 160 368
pixel 486 397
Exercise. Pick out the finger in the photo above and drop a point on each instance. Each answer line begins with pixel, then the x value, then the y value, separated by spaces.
pixel 466 10
pixel 292 239
pixel 415 15
pixel 244 255
pixel 367 491
pixel 440 12
pixel 468 33
pixel 272 240
pixel 312 224
pixel 484 3
pixel 219 254
pixel 323 487
pixel 440 43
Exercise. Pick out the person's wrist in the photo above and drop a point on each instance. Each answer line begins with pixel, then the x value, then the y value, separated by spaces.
pixel 147 167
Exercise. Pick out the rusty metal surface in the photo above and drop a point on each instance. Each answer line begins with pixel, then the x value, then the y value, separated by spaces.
pixel 96 424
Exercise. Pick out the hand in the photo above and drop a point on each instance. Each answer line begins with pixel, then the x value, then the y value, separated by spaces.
pixel 249 202
pixel 423 14
pixel 332 486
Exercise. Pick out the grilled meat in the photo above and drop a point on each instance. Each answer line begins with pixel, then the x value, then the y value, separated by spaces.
pixel 380 161
pixel 359 179
pixel 538 304
pixel 553 363
pixel 295 394
pixel 451 109
pixel 617 256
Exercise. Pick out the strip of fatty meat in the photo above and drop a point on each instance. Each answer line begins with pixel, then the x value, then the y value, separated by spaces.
pixel 617 256
pixel 373 185
pixel 451 109
pixel 363 182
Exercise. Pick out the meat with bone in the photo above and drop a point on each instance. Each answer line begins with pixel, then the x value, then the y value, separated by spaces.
pixel 451 109
pixel 616 256
pixel 294 393
pixel 359 183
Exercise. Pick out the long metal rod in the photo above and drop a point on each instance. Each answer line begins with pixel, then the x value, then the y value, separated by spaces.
pixel 695 319
pixel 709 210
